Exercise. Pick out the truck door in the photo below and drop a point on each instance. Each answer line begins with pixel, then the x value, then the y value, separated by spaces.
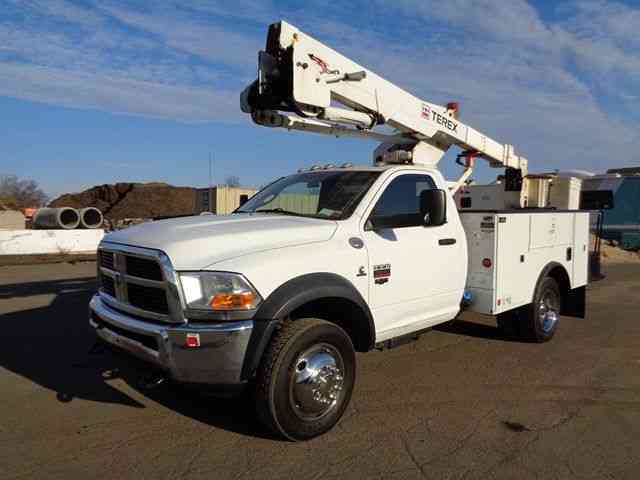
pixel 416 273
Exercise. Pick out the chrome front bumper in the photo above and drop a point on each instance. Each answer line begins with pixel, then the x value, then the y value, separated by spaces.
pixel 217 361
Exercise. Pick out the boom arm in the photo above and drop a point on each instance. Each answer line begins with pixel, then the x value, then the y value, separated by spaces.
pixel 305 85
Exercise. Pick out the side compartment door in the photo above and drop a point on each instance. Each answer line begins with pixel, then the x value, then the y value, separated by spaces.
pixel 416 272
pixel 580 249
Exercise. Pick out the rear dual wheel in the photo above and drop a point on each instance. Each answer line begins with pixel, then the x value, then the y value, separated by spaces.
pixel 538 321
pixel 306 378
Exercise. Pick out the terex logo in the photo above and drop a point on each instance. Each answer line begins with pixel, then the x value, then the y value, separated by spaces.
pixel 440 119
pixel 426 111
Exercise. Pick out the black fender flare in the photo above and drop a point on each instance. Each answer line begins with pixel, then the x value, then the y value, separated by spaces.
pixel 545 273
pixel 305 288
pixel 287 298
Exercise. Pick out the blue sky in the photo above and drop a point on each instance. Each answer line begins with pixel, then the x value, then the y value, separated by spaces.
pixel 105 91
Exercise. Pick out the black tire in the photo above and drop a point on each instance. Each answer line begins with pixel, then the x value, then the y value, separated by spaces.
pixel 285 400
pixel 533 323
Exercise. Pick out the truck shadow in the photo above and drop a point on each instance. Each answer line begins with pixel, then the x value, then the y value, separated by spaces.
pixel 472 329
pixel 50 345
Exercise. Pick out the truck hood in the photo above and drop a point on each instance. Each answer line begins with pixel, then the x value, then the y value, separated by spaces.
pixel 194 243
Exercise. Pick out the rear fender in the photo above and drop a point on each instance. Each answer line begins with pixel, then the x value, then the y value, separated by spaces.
pixel 573 300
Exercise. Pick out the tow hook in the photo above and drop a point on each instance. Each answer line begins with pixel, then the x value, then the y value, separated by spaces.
pixel 149 381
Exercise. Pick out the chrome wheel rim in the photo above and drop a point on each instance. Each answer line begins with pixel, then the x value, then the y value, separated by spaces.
pixel 549 311
pixel 317 381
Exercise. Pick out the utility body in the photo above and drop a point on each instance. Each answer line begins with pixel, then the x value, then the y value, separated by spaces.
pixel 332 260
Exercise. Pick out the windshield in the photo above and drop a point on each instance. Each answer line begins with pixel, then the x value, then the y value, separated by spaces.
pixel 323 194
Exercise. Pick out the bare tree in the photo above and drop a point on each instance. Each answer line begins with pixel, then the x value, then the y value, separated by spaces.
pixel 21 193
pixel 232 181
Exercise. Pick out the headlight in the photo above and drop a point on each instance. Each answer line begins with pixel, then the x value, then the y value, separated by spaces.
pixel 218 291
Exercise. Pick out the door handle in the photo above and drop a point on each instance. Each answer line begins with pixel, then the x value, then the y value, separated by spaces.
pixel 446 241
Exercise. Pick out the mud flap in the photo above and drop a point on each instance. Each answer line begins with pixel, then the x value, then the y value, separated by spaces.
pixel 574 304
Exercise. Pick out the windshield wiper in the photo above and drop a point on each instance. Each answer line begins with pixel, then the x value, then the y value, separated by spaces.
pixel 279 210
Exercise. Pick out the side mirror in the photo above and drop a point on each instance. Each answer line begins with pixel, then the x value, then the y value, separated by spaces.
pixel 433 207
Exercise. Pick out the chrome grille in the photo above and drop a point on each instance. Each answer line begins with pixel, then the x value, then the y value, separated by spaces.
pixel 147 298
pixel 108 285
pixel 143 268
pixel 140 282
pixel 105 259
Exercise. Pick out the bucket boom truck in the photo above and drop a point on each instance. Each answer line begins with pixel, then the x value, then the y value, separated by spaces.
pixel 301 80
pixel 331 260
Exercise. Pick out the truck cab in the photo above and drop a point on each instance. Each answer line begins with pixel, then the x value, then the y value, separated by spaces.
pixel 201 298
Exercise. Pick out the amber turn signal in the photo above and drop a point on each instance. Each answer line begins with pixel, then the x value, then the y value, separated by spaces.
pixel 234 301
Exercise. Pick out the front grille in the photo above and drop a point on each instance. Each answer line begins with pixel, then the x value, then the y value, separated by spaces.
pixel 106 259
pixel 143 268
pixel 108 285
pixel 148 298
pixel 145 340
pixel 134 277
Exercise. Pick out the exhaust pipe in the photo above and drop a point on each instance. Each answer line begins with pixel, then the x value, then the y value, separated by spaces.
pixel 90 217
pixel 65 218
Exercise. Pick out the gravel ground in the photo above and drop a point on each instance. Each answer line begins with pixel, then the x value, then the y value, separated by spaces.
pixel 461 402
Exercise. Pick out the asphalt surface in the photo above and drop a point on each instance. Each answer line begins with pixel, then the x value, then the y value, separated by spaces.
pixel 461 402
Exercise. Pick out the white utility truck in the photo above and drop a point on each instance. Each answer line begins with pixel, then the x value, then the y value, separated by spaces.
pixel 335 260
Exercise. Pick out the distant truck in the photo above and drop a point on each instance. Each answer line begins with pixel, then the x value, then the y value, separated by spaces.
pixel 279 295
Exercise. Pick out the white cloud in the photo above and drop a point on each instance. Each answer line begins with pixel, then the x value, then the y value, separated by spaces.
pixel 60 9
pixel 520 80
pixel 595 34
pixel 117 94
pixel 108 69
pixel 602 39
pixel 263 11
pixel 513 19
pixel 543 86
pixel 188 34
pixel 605 21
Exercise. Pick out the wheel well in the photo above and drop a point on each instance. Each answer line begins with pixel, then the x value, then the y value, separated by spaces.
pixel 559 274
pixel 344 313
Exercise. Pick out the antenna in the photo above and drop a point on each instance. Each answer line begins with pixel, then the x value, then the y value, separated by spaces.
pixel 210 170
pixel 210 192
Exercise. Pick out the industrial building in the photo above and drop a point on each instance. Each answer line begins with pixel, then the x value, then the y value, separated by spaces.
pixel 221 199
pixel 622 222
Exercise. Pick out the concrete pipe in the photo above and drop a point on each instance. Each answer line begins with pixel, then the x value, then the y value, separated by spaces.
pixel 65 218
pixel 90 217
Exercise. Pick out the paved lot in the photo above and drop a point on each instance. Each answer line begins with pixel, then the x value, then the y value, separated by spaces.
pixel 459 403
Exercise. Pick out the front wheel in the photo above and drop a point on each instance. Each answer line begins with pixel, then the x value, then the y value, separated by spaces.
pixel 306 378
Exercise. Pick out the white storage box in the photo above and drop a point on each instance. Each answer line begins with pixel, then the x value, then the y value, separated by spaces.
pixel 509 250
pixel 565 193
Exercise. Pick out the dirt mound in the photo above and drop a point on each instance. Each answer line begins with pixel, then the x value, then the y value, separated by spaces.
pixel 612 253
pixel 133 200
pixel 6 204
